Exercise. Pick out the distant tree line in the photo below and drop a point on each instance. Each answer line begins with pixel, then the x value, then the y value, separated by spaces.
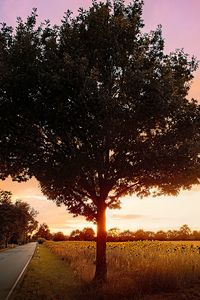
pixel 115 235
pixel 43 233
pixel 184 233
pixel 87 234
pixel 17 220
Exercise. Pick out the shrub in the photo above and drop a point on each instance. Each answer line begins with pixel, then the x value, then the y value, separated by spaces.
pixel 41 240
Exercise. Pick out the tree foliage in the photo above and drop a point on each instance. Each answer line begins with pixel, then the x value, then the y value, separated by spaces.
pixel 43 232
pixel 59 236
pixel 125 116
pixel 17 220
pixel 87 234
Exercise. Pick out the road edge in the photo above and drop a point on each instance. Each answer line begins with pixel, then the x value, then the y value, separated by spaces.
pixel 20 276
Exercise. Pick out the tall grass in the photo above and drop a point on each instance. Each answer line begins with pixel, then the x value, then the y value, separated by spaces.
pixel 136 268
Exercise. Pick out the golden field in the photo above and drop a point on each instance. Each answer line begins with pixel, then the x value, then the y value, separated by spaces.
pixel 136 269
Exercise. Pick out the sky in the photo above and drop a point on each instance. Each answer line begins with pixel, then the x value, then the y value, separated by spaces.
pixel 181 26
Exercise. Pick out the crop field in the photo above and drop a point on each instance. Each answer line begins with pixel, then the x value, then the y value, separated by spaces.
pixel 136 268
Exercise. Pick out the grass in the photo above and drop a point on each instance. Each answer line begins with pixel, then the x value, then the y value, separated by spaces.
pixel 48 278
pixel 137 270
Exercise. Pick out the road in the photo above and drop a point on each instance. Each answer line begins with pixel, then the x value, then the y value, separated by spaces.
pixel 12 263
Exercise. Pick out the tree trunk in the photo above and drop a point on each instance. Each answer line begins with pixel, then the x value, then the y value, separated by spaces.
pixel 6 242
pixel 101 264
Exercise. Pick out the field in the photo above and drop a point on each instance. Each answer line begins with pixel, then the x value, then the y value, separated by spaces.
pixel 138 269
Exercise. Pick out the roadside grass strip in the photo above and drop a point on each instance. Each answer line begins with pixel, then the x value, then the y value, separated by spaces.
pixel 49 278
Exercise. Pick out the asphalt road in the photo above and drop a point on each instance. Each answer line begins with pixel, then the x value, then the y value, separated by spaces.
pixel 12 262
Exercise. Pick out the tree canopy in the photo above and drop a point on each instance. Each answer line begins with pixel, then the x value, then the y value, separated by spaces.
pixel 17 220
pixel 96 110
pixel 43 232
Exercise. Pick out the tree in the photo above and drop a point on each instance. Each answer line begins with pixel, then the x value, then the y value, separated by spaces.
pixel 75 235
pixel 113 234
pixel 184 232
pixel 140 235
pixel 99 110
pixel 43 232
pixel 172 235
pixel 87 234
pixel 59 236
pixel 5 197
pixel 195 236
pixel 7 217
pixel 150 235
pixel 127 235
pixel 161 235
pixel 25 221
pixel 17 220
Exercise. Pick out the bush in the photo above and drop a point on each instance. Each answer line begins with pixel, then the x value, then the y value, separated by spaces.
pixel 41 240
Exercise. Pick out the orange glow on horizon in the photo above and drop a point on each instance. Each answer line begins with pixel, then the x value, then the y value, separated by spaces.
pixel 148 213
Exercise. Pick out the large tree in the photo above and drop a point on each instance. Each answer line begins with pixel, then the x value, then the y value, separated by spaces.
pixel 25 221
pixel 100 111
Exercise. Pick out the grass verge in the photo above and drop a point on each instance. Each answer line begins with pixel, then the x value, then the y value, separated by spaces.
pixel 48 278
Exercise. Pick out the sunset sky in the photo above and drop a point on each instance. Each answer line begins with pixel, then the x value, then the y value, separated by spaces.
pixel 181 28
